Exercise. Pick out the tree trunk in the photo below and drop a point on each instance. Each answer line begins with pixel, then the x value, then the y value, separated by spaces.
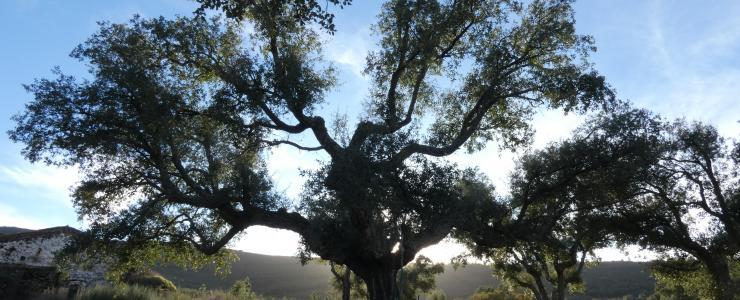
pixel 538 289
pixel 381 283
pixel 558 291
pixel 720 271
pixel 346 283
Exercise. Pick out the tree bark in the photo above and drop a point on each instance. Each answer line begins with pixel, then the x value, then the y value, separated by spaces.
pixel 346 284
pixel 720 271
pixel 558 291
pixel 380 282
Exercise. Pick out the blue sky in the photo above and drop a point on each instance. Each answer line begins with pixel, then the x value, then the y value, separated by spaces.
pixel 678 58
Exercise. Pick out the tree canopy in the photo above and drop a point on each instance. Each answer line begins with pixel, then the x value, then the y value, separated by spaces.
pixel 540 236
pixel 172 128
pixel 688 204
pixel 628 177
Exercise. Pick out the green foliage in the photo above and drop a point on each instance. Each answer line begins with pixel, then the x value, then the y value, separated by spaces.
pixel 502 292
pixel 303 10
pixel 687 206
pixel 685 277
pixel 242 289
pixel 150 279
pixel 122 259
pixel 116 293
pixel 543 237
pixel 357 288
pixel 172 128
pixel 137 292
pixel 436 295
pixel 418 277
pixel 675 292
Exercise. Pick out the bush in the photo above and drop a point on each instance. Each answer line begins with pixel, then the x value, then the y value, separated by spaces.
pixel 437 295
pixel 499 293
pixel 242 289
pixel 150 279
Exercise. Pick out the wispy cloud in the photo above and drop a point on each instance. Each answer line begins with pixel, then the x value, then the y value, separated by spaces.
pixel 285 164
pixel 349 49
pixel 699 80
pixel 9 216
pixel 52 183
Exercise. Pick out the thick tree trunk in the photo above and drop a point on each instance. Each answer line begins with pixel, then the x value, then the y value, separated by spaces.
pixel 558 291
pixel 539 291
pixel 725 287
pixel 381 283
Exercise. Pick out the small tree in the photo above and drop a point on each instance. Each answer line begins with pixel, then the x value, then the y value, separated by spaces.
pixel 689 204
pixel 347 283
pixel 548 269
pixel 547 230
pixel 419 277
pixel 242 289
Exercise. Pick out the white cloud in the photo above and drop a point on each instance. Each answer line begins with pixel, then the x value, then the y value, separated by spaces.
pixel 554 126
pixel 51 182
pixel 443 251
pixel 629 253
pixel 285 163
pixel 9 216
pixel 268 241
pixel 696 81
pixel 349 49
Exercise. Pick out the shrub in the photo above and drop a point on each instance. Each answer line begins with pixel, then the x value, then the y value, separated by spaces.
pixel 150 279
pixel 242 289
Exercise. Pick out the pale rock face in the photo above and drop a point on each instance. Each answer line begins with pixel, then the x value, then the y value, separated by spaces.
pixel 38 250
pixel 32 251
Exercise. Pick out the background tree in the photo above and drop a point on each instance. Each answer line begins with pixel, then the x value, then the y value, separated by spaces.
pixel 419 277
pixel 169 132
pixel 685 277
pixel 347 283
pixel 304 11
pixel 688 207
pixel 549 269
pixel 547 231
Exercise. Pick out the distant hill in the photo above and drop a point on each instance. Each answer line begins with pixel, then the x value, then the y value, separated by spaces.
pixel 12 230
pixel 270 275
pixel 284 276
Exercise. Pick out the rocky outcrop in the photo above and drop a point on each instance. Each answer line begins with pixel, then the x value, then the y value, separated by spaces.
pixel 34 251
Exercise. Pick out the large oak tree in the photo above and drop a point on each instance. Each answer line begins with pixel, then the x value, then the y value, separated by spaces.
pixel 170 132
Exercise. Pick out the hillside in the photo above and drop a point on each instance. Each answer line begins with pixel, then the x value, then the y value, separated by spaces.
pixel 284 276
pixel 270 275
pixel 12 230
pixel 280 276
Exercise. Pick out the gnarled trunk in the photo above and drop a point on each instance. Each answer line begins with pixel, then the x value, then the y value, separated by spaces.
pixel 559 290
pixel 720 271
pixel 380 281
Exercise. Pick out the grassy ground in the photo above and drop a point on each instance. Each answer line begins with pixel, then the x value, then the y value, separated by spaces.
pixel 136 292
